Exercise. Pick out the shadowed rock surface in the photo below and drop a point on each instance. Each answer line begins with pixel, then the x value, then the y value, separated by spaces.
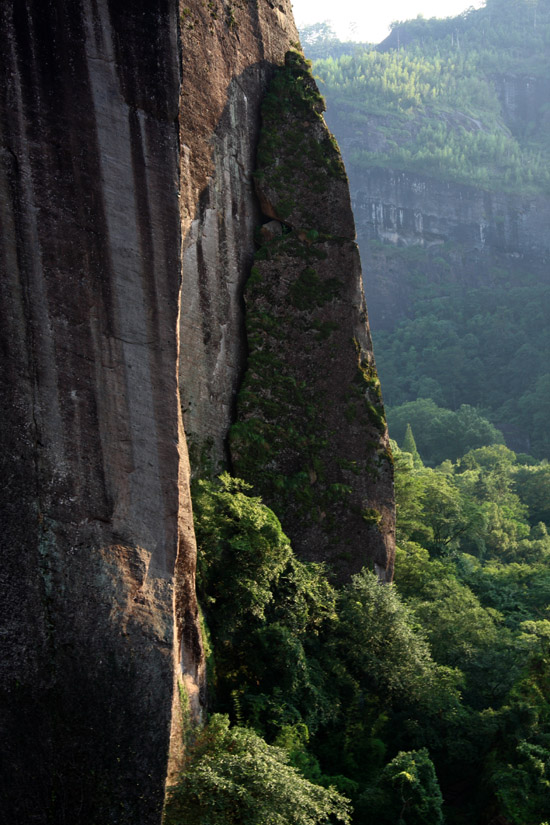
pixel 310 433
pixel 96 517
pixel 127 212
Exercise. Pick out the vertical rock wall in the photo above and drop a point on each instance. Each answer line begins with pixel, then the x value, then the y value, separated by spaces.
pixel 127 141
pixel 311 433
pixel 91 433
pixel 127 130
pixel 231 49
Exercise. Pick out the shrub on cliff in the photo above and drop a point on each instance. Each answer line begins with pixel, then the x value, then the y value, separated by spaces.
pixel 233 776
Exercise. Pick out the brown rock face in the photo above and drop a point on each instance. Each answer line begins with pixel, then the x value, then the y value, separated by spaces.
pixel 127 210
pixel 121 139
pixel 230 51
pixel 92 452
pixel 311 434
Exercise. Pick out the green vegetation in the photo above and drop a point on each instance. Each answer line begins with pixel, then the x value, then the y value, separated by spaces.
pixel 429 102
pixel 233 777
pixel 426 701
pixel 322 673
pixel 488 348
pixel 295 163
pixel 441 433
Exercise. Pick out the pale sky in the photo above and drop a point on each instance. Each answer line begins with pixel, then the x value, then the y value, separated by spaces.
pixel 355 20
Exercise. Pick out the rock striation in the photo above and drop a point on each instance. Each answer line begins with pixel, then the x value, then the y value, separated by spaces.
pixel 450 227
pixel 127 211
pixel 455 232
pixel 95 513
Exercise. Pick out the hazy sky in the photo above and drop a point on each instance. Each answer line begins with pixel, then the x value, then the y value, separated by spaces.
pixel 354 20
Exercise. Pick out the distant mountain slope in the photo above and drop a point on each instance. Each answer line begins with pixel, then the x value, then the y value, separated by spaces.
pixel 445 132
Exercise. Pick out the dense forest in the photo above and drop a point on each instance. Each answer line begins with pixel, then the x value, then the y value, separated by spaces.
pixel 431 92
pixel 488 347
pixel 426 701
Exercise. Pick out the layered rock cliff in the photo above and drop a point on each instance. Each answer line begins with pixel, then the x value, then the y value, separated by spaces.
pixel 128 134
pixel 455 234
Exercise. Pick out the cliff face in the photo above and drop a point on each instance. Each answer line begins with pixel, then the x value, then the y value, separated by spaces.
pixel 311 434
pixel 457 232
pixel 228 53
pixel 128 132
pixel 96 513
pixel 92 446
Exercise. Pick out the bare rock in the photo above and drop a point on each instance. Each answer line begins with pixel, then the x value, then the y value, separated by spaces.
pixel 127 136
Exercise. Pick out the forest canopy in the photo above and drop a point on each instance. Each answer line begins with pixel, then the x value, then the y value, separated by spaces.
pixel 429 98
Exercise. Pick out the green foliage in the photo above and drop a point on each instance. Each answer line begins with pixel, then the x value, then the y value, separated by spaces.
pixel 243 551
pixel 382 649
pixel 441 433
pixel 533 487
pixel 431 98
pixel 407 791
pixel 264 608
pixel 462 347
pixel 233 777
pixel 317 671
pixel 523 787
pixel 386 692
pixel 409 446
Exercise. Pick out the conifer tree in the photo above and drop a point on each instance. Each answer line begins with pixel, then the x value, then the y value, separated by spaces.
pixel 409 446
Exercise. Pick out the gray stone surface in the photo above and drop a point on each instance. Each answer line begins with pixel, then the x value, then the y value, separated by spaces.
pixel 92 448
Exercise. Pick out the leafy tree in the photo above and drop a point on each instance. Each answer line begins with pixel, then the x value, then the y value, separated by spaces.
pixel 265 610
pixel 532 484
pixel 407 792
pixel 446 668
pixel 441 433
pixel 383 650
pixel 523 787
pixel 232 777
pixel 242 551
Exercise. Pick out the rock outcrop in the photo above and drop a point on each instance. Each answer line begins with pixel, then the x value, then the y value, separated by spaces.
pixel 128 133
pixel 110 111
pixel 228 53
pixel 455 232
pixel 310 433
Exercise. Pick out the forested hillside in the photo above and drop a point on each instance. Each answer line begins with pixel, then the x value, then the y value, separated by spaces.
pixel 433 96
pixel 422 702
pixel 445 133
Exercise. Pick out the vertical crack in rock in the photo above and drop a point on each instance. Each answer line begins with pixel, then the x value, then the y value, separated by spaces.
pixel 94 505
